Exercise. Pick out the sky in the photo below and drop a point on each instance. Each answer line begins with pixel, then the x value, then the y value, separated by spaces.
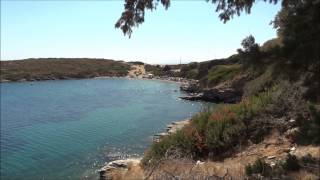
pixel 189 30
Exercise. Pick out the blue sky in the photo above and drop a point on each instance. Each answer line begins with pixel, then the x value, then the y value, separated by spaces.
pixel 188 30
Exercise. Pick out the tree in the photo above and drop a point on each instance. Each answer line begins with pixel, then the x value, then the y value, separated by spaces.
pixel 298 24
pixel 134 11
pixel 249 45
pixel 166 68
pixel 250 50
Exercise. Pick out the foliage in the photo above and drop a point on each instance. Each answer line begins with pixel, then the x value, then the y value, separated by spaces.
pixel 258 167
pixel 222 73
pixel 309 124
pixel 61 68
pixel 291 163
pixel 136 62
pixel 262 80
pixel 154 69
pixel 298 24
pixel 134 11
pixel 250 51
pixel 166 68
pixel 200 71
pixel 183 140
pixel 272 45
pixel 158 70
pixel 190 70
pixel 223 130
pixel 211 131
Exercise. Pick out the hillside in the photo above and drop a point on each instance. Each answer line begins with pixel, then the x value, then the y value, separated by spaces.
pixel 271 129
pixel 266 127
pixel 60 68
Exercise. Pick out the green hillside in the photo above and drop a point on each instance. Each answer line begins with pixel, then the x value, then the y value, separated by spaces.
pixel 60 68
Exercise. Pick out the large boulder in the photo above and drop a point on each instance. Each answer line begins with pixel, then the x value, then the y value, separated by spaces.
pixel 221 95
pixel 190 87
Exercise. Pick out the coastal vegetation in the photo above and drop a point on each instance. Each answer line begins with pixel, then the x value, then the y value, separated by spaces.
pixel 279 85
pixel 272 91
pixel 60 68
pixel 212 133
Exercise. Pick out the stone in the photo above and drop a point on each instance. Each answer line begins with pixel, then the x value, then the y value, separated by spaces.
pixel 116 165
pixel 292 120
pixel 271 157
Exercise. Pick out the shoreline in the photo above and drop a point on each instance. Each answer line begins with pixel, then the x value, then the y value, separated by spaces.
pixel 166 79
pixel 121 166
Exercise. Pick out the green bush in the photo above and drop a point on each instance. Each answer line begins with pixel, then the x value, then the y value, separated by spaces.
pixel 211 132
pixel 221 135
pixel 182 140
pixel 258 167
pixel 309 127
pixel 200 121
pixel 222 73
pixel 291 163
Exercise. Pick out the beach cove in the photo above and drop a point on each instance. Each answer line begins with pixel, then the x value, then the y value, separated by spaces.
pixel 68 129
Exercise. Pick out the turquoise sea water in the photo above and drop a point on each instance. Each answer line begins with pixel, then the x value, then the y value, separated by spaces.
pixel 68 129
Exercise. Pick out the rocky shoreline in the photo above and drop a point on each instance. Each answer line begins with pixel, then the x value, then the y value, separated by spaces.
pixel 230 92
pixel 123 165
pixel 171 128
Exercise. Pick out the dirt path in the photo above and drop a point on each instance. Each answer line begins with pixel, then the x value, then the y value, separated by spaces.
pixel 137 71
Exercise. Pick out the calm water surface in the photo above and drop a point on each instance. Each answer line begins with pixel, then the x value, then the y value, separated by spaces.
pixel 68 129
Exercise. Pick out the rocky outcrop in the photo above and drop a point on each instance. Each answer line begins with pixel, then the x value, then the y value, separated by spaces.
pixel 216 95
pixel 227 92
pixel 190 87
pixel 118 166
pixel 171 128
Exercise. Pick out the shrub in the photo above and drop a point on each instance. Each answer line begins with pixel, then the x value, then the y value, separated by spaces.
pixel 210 132
pixel 291 163
pixel 258 167
pixel 309 124
pixel 183 141
pixel 222 134
pixel 200 121
pixel 252 106
pixel 222 73
pixel 308 159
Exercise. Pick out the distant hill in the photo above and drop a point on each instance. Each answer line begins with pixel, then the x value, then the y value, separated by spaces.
pixel 60 68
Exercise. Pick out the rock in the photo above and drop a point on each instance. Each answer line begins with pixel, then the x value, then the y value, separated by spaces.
pixel 216 95
pixel 293 149
pixel 190 87
pixel 292 120
pixel 116 165
pixel 199 163
pixel 271 157
pixel 171 128
pixel 292 133
pixel 193 97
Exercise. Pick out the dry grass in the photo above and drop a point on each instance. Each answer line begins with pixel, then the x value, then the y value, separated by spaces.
pixel 230 168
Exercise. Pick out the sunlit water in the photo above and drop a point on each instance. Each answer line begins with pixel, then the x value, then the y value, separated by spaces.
pixel 68 129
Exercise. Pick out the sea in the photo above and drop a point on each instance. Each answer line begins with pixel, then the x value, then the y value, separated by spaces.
pixel 68 129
